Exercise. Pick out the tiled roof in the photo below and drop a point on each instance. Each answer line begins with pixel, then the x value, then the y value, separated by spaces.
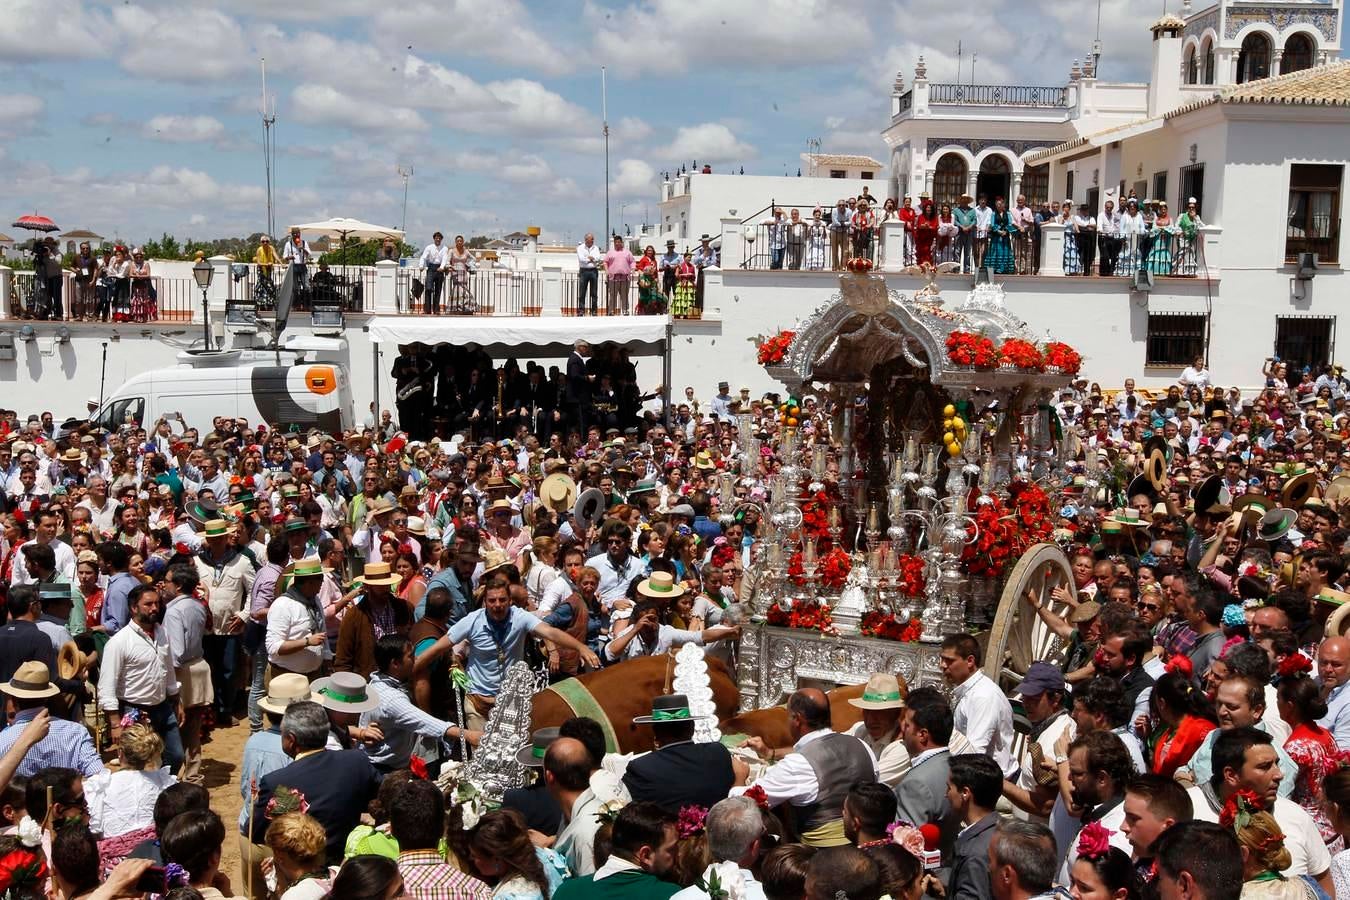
pixel 840 159
pixel 6 239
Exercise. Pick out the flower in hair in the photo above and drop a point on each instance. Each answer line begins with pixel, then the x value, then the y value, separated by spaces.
pixel 418 767
pixel 1094 841
pixel 1293 665
pixel 1180 664
pixel 908 837
pixel 29 832
pixel 1239 808
pixel 690 822
pixel 758 795
pixel 176 876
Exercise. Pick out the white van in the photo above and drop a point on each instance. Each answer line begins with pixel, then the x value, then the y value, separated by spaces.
pixel 247 383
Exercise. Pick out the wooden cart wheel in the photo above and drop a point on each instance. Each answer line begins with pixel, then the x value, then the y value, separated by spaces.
pixel 1018 636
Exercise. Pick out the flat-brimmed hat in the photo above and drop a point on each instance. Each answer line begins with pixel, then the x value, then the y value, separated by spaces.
pixel 642 487
pixel 71 661
pixel 1041 677
pixel 1211 493
pixel 532 754
pixel 1253 506
pixel 283 690
pixel 295 523
pixel 1298 487
pixel 494 560
pixel 345 692
pixel 1155 462
pixel 31 681
pixel 588 508
pixel 379 573
pixel 882 692
pixel 378 507
pixel 203 511
pixel 72 455
pixel 1276 524
pixel 417 525
pixel 501 504
pixel 661 585
pixel 667 708
pixel 309 567
pixel 216 528
pixel 1340 485
pixel 558 491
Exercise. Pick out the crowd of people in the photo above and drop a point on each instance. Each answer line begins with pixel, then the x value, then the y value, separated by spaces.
pixel 114 286
pixel 358 599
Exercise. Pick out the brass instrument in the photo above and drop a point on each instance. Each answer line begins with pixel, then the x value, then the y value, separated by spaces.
pixel 501 390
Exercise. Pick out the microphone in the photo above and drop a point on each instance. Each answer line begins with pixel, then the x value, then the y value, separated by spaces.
pixel 932 856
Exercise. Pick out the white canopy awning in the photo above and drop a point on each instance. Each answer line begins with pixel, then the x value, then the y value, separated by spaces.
pixel 641 334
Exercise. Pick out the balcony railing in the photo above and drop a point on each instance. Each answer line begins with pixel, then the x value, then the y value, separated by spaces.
pixel 999 95
pixel 174 300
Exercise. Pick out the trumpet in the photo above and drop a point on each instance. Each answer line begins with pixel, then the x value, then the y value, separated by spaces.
pixel 501 390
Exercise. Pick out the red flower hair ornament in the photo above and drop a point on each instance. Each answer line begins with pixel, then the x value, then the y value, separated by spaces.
pixel 1181 664
pixel 1094 841
pixel 1239 808
pixel 1293 665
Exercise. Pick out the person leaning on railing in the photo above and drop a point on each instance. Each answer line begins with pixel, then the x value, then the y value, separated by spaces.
pixel 266 257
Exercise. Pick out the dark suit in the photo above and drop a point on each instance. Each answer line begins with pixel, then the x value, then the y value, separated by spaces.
pixel 970 865
pixel 536 804
pixel 681 774
pixel 578 393
pixel 338 786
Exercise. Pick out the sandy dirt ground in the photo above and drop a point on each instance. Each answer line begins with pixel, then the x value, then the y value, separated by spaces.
pixel 220 772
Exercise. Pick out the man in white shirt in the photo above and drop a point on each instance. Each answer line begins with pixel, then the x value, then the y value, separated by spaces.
pixel 1244 759
pixel 983 713
pixel 648 637
pixel 588 274
pixel 137 676
pixel 101 507
pixel 1108 235
pixel 296 638
pixel 1098 769
pixel 44 533
pixel 1042 691
pixel 984 218
pixel 434 257
pixel 879 729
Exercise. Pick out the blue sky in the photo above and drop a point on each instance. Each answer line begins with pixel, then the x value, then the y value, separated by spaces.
pixel 140 116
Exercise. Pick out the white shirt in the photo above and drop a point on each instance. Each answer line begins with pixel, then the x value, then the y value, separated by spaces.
pixel 1301 838
pixel 736 881
pixel 984 217
pixel 65 562
pixel 102 518
pixel 984 715
pixel 435 256
pixel 576 841
pixel 136 669
pixel 288 620
pixel 791 779
pixel 589 257
pixel 667 636
pixel 558 590
pixel 1026 779
pixel 892 757
pixel 1111 822
pixel 124 801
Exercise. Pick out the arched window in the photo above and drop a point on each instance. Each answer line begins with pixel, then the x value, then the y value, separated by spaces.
pixel 1298 54
pixel 1208 70
pixel 1192 66
pixel 1254 58
pixel 949 179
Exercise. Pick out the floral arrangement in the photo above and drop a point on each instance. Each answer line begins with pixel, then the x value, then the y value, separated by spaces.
pixel 774 350
pixel 691 821
pixel 1061 356
pixel 833 569
pixel 816 514
pixel 1022 354
pixel 910 581
pixel 286 800
pixel 1094 841
pixel 906 836
pixel 807 615
pixel 859 264
pixel 758 794
pixel 1239 808
pixel 967 349
pixel 22 871
pixel 884 625
pixel 1003 532
pixel 461 793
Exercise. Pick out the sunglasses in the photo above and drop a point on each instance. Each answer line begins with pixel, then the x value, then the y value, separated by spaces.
pixel 1150 606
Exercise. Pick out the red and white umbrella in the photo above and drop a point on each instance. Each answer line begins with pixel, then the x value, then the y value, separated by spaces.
pixel 35 223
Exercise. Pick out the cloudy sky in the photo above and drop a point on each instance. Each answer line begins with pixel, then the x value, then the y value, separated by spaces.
pixel 134 117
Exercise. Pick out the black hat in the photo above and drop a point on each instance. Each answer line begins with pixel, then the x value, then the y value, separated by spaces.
pixel 667 708
pixel 670 243
pixel 533 754
pixel 1210 494
pixel 1141 484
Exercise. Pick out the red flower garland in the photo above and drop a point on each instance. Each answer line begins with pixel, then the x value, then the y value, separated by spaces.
pixel 911 581
pixel 773 351
pixel 815 515
pixel 859 264
pixel 1063 357
pixel 967 349
pixel 1006 530
pixel 807 615
pixel 833 569
pixel 885 625
pixel 1022 354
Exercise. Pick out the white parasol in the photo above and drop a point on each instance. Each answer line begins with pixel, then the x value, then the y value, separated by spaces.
pixel 343 228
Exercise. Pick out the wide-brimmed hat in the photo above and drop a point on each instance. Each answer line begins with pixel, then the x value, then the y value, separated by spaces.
pixel 32 681
pixel 379 573
pixel 661 585
pixel 1155 462
pixel 494 560
pixel 1127 518
pixel 703 461
pixel 501 504
pixel 1340 485
pixel 1141 484
pixel 1298 487
pixel 378 507
pixel 589 507
pixel 71 661
pixel 309 567
pixel 283 690
pixel 203 511
pixel 1338 623
pixel 216 528
pixel 1253 506
pixel 1212 493
pixel 72 455
pixel 1275 524
pixel 417 525
pixel 667 708
pixel 882 692
pixel 558 491
pixel 642 487
pixel 532 754
pixel 345 692
pixel 295 523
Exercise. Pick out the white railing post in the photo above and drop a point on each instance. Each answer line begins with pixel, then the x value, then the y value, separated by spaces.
pixel 733 244
pixel 1053 236
pixel 386 288
pixel 6 282
pixel 219 291
pixel 551 291
pixel 712 293
pixel 893 245
pixel 1207 259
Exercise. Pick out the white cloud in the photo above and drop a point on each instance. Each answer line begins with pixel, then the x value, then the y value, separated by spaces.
pixel 319 104
pixel 711 142
pixel 631 128
pixel 50 29
pixel 205 46
pixel 184 129
pixel 634 178
pixel 678 35
pixel 500 31
pixel 19 109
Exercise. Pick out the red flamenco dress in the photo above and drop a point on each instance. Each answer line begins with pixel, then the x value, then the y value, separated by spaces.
pixel 1176 746
pixel 925 232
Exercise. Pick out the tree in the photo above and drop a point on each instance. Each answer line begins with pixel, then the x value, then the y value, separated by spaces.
pixel 477 242
pixel 360 253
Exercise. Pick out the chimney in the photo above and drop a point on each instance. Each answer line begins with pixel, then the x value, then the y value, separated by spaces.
pixel 1164 87
pixel 532 242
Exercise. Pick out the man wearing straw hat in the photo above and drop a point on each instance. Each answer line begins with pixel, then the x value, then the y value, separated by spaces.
pixel 64 744
pixel 227 578
pixel 297 638
pixel 374 615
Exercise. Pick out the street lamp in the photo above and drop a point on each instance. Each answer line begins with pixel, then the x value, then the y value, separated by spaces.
pixel 201 273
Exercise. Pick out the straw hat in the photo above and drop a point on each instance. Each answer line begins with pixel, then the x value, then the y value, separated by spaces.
pixel 283 690
pixel 379 573
pixel 71 661
pixel 378 507
pixel 1253 506
pixel 500 505
pixel 558 491
pixel 494 560
pixel 345 692
pixel 1299 487
pixel 417 525
pixel 661 586
pixel 882 692
pixel 32 681
pixel 72 455
pixel 215 528
pixel 1339 486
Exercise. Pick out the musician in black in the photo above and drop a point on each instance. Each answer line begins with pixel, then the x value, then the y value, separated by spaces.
pixel 535 403
pixel 414 381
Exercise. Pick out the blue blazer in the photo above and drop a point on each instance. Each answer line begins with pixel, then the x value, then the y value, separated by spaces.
pixel 338 785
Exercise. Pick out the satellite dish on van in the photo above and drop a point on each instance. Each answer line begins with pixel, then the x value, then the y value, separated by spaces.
pixel 285 297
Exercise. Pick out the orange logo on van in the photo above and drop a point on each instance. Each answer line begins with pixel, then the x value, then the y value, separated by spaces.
pixel 321 380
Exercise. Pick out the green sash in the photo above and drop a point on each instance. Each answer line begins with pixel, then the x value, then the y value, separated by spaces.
pixel 583 703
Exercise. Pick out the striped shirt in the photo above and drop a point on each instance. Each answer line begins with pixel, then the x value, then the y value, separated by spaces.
pixel 67 745
pixel 428 877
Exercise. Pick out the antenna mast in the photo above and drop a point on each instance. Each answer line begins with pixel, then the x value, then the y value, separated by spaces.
pixel 604 116
pixel 1097 38
pixel 269 118
pixel 405 174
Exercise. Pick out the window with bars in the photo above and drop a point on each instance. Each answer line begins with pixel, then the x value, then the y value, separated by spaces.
pixel 1036 184
pixel 1314 222
pixel 1305 340
pixel 1175 339
pixel 949 179
pixel 1160 185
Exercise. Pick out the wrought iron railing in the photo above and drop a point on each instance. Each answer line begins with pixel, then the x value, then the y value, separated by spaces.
pixel 172 300
pixel 999 95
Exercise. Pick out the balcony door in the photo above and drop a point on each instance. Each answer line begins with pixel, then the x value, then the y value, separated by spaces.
pixel 995 179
